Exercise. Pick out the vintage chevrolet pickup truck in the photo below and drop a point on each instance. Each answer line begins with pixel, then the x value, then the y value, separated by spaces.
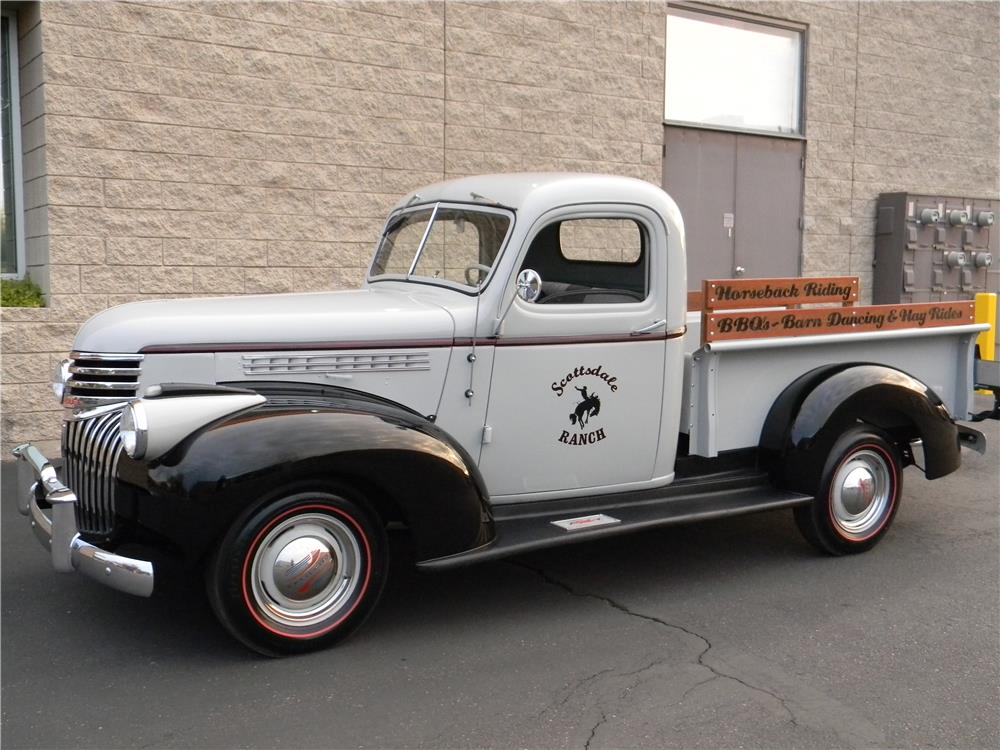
pixel 519 370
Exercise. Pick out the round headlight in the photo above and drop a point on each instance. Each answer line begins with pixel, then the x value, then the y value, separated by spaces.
pixel 134 429
pixel 59 378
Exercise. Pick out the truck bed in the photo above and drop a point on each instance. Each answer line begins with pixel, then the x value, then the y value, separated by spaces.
pixel 732 384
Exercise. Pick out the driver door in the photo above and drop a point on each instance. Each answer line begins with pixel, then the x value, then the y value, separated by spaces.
pixel 577 384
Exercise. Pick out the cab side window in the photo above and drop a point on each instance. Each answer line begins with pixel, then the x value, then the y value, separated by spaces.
pixel 590 261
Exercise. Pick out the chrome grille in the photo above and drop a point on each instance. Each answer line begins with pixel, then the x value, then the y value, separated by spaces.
pixel 97 379
pixel 91 449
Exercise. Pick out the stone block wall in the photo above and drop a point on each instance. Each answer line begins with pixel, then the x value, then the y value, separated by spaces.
pixel 900 96
pixel 203 148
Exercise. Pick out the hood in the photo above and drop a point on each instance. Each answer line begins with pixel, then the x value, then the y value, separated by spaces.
pixel 282 320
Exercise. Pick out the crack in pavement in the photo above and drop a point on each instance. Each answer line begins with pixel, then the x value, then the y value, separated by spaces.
pixel 696 686
pixel 700 659
pixel 570 692
pixel 593 730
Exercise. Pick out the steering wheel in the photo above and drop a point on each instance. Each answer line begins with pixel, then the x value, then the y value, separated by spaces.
pixel 484 271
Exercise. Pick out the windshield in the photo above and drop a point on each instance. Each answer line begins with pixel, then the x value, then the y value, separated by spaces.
pixel 450 244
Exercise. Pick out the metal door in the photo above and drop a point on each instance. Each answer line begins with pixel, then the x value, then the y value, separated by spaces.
pixel 699 173
pixel 741 199
pixel 768 187
pixel 575 399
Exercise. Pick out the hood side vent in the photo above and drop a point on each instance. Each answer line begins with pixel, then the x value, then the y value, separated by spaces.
pixel 320 364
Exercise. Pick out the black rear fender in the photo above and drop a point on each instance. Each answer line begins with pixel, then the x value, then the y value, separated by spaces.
pixel 820 405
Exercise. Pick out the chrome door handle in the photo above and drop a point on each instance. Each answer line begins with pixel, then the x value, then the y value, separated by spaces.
pixel 649 328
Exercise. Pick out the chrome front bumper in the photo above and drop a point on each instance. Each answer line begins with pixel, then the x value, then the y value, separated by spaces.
pixel 60 536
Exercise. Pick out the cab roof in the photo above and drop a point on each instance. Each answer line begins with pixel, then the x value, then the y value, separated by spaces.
pixel 539 191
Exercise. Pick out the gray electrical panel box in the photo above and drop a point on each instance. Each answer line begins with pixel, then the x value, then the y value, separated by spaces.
pixel 932 248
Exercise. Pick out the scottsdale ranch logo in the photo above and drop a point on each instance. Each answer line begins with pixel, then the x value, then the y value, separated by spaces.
pixel 588 383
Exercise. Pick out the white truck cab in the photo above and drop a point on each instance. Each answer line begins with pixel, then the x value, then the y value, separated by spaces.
pixel 519 369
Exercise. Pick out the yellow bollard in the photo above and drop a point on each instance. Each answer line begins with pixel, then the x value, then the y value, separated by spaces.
pixel 986 312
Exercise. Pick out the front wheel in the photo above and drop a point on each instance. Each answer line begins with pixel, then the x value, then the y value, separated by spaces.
pixel 299 574
pixel 856 493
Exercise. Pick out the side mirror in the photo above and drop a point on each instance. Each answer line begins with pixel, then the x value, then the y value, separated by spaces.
pixel 529 285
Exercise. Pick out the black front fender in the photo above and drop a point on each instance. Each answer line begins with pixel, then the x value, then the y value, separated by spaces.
pixel 407 468
pixel 818 406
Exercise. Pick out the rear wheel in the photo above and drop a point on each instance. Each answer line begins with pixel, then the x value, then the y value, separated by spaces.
pixel 299 574
pixel 856 493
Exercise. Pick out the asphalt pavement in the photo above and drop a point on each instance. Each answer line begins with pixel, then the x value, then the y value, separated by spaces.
pixel 731 633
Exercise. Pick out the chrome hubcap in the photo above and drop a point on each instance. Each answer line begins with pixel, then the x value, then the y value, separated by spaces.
pixel 306 565
pixel 861 493
pixel 305 570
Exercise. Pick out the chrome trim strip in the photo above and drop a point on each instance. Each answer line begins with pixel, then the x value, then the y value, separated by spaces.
pixel 843 338
pixel 423 241
pixel 104 357
pixel 264 370
pixel 99 385
pixel 75 404
pixel 123 372
pixel 59 534
pixel 78 415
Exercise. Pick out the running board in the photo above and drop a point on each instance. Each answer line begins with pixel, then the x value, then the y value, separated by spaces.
pixel 529 526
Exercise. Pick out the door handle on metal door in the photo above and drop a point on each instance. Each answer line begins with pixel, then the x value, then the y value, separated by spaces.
pixel 649 328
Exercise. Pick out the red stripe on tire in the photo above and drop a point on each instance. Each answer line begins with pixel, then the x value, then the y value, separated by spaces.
pixel 253 546
pixel 892 504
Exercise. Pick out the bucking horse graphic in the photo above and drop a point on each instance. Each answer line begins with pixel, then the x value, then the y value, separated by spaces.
pixel 589 407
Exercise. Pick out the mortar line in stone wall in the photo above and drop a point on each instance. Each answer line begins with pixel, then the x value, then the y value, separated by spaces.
pixel 854 135
pixel 323 86
pixel 24 64
pixel 192 10
pixel 355 7
pixel 471 53
pixel 23 33
pixel 160 123
pixel 950 121
pixel 279 161
pixel 325 58
pixel 135 63
pixel 976 58
pixel 242 102
pixel 550 43
pixel 221 130
pixel 37 117
pixel 31 151
pixel 216 100
pixel 444 89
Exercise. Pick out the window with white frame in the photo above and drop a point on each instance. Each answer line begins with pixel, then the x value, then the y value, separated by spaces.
pixel 732 73
pixel 12 230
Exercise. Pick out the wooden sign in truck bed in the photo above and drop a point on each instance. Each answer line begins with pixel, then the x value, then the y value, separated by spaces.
pixel 727 318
